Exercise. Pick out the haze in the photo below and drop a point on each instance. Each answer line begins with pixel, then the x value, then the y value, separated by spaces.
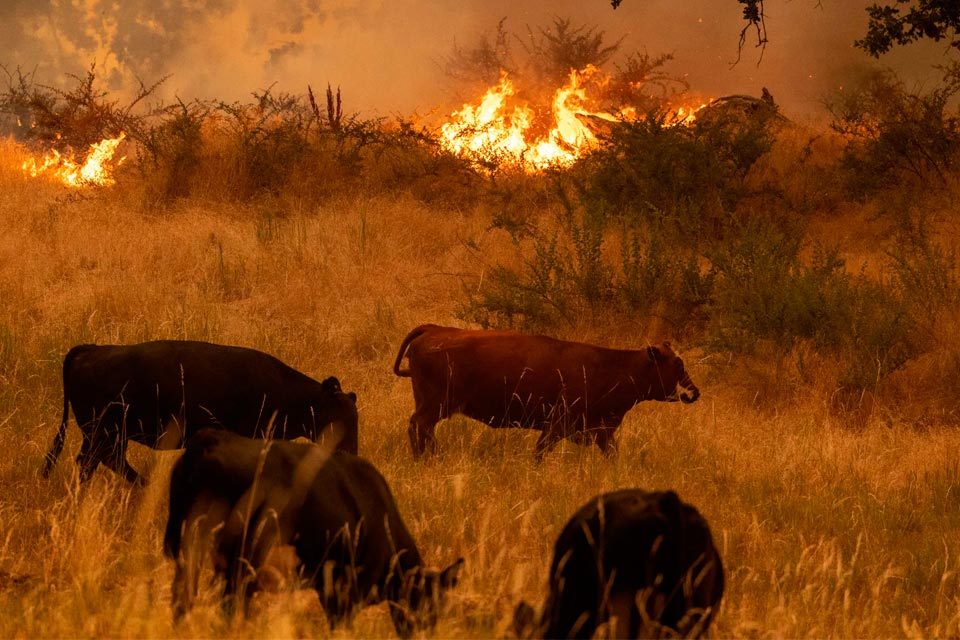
pixel 386 55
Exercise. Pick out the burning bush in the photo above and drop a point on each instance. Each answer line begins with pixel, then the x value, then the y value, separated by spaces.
pixel 75 131
pixel 72 118
pixel 548 107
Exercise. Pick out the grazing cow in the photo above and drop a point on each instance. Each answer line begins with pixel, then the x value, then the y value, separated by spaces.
pixel 249 498
pixel 505 379
pixel 160 393
pixel 642 563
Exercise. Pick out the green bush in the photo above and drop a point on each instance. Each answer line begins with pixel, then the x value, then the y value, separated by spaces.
pixel 653 170
pixel 895 133
pixel 566 273
pixel 767 295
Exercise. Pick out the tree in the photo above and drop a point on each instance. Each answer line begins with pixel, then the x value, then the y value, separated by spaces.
pixel 908 21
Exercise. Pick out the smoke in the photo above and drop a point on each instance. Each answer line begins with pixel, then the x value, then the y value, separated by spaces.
pixel 386 55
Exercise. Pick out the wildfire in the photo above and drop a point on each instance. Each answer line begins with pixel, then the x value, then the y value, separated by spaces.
pixel 494 131
pixel 95 169
pixel 687 115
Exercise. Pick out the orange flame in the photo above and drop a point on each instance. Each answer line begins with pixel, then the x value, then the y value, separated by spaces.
pixel 96 169
pixel 491 132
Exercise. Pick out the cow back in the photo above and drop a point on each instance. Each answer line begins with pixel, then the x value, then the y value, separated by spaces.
pixel 629 546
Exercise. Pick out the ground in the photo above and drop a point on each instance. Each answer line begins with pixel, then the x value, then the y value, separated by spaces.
pixel 826 528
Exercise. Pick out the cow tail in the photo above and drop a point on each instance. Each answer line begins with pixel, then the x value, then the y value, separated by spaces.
pixel 57 447
pixel 413 335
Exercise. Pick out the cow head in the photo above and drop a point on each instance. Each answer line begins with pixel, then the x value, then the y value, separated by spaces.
pixel 339 410
pixel 422 597
pixel 672 379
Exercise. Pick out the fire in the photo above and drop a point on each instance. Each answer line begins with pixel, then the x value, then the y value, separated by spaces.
pixel 686 115
pixel 95 169
pixel 494 131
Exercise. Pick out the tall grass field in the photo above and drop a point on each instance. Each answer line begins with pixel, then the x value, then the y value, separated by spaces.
pixel 812 307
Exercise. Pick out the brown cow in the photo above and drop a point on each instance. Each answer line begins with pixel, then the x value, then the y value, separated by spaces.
pixel 506 379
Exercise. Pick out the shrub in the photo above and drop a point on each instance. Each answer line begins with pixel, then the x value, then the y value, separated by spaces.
pixel 172 150
pixel 561 46
pixel 72 118
pixel 687 175
pixel 766 295
pixel 895 133
pixel 548 53
pixel 926 271
pixel 567 273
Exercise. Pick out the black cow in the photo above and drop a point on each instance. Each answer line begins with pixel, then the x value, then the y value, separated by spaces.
pixel 249 498
pixel 160 393
pixel 645 559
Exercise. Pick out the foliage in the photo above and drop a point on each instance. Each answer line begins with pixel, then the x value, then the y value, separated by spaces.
pixel 898 23
pixel 927 272
pixel 766 294
pixel 895 132
pixel 483 62
pixel 172 149
pixel 75 117
pixel 548 54
pixel 690 174
pixel 642 81
pixel 561 46
pixel 908 21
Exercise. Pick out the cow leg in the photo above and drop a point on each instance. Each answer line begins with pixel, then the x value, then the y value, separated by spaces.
pixel 336 589
pixel 183 590
pixel 117 461
pixel 549 437
pixel 606 440
pixel 238 587
pixel 88 458
pixel 423 424
pixel 204 517
pixel 338 610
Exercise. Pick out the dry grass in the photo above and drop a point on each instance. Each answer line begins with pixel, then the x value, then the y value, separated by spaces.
pixel 824 530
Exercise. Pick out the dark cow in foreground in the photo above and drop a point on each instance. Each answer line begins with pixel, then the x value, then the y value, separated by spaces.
pixel 160 393
pixel 642 563
pixel 248 498
pixel 505 379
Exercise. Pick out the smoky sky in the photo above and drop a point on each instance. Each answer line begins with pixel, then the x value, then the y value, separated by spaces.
pixel 386 55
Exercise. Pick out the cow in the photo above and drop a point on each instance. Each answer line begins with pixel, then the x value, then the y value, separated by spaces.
pixel 641 563
pixel 506 379
pixel 160 393
pixel 247 498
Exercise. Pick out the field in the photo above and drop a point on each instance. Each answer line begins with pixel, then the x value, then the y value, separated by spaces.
pixel 831 523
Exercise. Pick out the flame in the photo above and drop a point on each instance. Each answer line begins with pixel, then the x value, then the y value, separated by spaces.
pixel 491 132
pixel 96 169
pixel 686 115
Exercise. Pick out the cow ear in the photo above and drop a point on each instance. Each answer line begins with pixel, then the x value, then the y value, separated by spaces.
pixel 667 344
pixel 450 576
pixel 653 353
pixel 352 397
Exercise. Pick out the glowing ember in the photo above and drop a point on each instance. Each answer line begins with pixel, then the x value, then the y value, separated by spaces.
pixel 493 132
pixel 96 169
